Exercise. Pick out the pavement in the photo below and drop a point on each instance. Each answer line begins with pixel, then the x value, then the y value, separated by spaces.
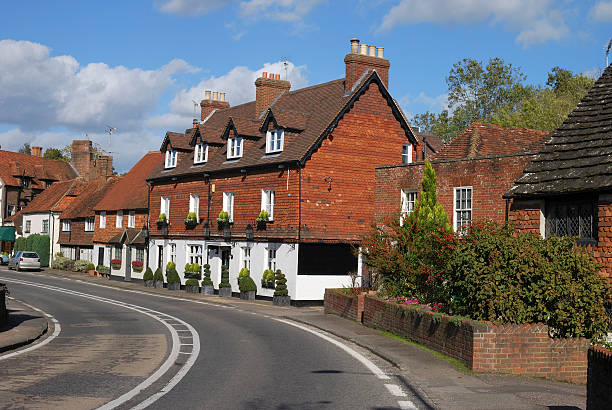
pixel 436 381
pixel 25 325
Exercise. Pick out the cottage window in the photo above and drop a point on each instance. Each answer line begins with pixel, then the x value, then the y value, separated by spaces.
pixel 407 201
pixel 132 219
pixel 194 254
pixel 28 226
pixel 12 209
pixel 572 218
pixel 65 225
pixel 171 158
pixel 194 205
pixel 234 147
pixel 140 254
pixel 274 141
pixel 246 257
pixel 118 252
pixel 406 153
pixel 89 224
pixel 267 202
pixel 102 219
pixel 119 219
pixel 201 153
pixel 25 182
pixel 271 262
pixel 45 226
pixel 172 252
pixel 228 204
pixel 165 206
pixel 462 208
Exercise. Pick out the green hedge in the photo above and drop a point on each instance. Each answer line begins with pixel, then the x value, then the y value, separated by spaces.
pixel 20 244
pixel 35 243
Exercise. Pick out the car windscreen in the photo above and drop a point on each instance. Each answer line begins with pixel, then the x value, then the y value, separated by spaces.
pixel 29 255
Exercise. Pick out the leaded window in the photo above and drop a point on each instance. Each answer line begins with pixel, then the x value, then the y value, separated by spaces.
pixel 572 218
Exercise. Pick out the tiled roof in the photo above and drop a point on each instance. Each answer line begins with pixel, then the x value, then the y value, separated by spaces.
pixel 14 164
pixel 434 143
pixel 307 115
pixel 82 206
pixel 50 197
pixel 578 156
pixel 483 140
pixel 131 191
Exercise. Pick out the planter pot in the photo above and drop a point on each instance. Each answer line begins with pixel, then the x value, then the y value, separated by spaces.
pixel 149 283
pixel 261 225
pixel 225 292
pixel 92 272
pixel 190 224
pixel 208 290
pixel 174 286
pixel 281 300
pixel 163 227
pixel 248 295
pixel 137 269
pixel 192 288
pixel 158 284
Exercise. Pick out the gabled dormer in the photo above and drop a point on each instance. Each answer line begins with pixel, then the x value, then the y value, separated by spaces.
pixel 171 156
pixel 235 146
pixel 170 147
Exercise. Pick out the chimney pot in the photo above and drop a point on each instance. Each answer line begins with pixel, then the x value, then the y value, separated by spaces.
pixel 278 76
pixel 372 51
pixel 215 95
pixel 222 96
pixel 264 74
pixel 368 58
pixel 363 49
pixel 380 52
pixel 354 45
pixel 195 122
pixel 207 95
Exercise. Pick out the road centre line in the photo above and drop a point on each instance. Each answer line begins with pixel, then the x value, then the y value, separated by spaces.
pixel 167 365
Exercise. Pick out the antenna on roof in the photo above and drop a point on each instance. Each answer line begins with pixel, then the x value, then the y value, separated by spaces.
pixel 195 108
pixel 608 51
pixel 285 61
pixel 109 131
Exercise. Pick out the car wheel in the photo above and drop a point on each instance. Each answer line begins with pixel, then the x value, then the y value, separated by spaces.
pixel 17 268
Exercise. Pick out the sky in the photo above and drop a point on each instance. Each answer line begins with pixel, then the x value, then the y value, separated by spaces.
pixel 69 69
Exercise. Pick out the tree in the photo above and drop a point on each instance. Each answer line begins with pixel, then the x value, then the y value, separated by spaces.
pixel 55 153
pixel 25 149
pixel 428 213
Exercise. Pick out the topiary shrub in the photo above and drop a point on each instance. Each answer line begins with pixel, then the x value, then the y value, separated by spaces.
pixel 148 275
pixel 158 276
pixel 267 279
pixel 172 275
pixel 225 283
pixel 192 282
pixel 244 272
pixel 207 281
pixel 247 284
pixel 193 271
pixel 91 266
pixel 281 284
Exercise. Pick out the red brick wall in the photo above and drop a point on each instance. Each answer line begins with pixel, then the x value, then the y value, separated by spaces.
pixel 525 216
pixel 599 382
pixel 103 235
pixel 357 64
pixel 489 178
pixel 368 135
pixel 77 234
pixel 266 91
pixel 340 304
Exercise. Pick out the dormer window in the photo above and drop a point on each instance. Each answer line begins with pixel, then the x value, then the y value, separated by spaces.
pixel 274 141
pixel 170 158
pixel 234 147
pixel 201 153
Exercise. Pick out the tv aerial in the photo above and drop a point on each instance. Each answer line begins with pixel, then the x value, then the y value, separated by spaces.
pixel 195 108
pixel 608 51
pixel 109 131
pixel 285 61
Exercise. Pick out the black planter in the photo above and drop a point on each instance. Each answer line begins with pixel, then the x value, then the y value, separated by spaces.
pixel 261 225
pixel 225 292
pixel 208 290
pixel 247 295
pixel 148 283
pixel 174 286
pixel 192 288
pixel 158 284
pixel 163 226
pixel 190 224
pixel 281 300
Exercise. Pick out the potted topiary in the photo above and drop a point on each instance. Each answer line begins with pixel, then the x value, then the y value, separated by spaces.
pixel 223 219
pixel 207 283
pixel 192 286
pixel 262 219
pixel 247 287
pixel 225 288
pixel 281 294
pixel 191 220
pixel 116 264
pixel 158 279
pixel 172 277
pixel 162 224
pixel 148 278
pixel 267 279
pixel 193 271
pixel 91 268
pixel 137 266
pixel 244 272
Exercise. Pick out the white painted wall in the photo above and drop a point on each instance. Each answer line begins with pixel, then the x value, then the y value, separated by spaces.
pixel 36 224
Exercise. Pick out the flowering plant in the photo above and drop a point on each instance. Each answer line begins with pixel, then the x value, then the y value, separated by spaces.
pixel 137 266
pixel 116 263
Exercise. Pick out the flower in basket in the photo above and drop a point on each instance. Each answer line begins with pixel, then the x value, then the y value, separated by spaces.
pixel 263 216
pixel 116 263
pixel 161 218
pixel 192 218
pixel 223 217
pixel 137 266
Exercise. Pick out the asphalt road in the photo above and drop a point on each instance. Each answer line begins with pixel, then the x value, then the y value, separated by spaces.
pixel 134 350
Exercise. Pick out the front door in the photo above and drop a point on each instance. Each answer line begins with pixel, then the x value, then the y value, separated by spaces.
pixel 128 263
pixel 160 257
pixel 101 255
pixel 225 256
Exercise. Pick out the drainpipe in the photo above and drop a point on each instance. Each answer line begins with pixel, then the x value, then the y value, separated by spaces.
pixel 207 178
pixel 507 208
pixel 299 202
pixel 52 223
pixel 147 243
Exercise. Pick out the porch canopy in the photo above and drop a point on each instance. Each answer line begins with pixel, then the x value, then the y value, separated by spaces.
pixel 7 233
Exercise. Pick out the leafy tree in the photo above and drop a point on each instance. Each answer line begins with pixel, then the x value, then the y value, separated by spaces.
pixel 55 153
pixel 26 149
pixel 428 213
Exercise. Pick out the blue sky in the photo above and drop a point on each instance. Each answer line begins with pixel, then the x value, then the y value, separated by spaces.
pixel 69 68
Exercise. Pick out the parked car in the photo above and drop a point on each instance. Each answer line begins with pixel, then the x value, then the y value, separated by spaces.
pixel 3 259
pixel 24 260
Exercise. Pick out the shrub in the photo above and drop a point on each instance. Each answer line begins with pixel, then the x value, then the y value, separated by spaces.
pixel 207 281
pixel 193 271
pixel 116 264
pixel 137 266
pixel 148 275
pixel 161 217
pixel 223 217
pixel 158 275
pixel 41 245
pixel 80 266
pixel 497 275
pixel 267 279
pixel 244 272
pixel 263 216
pixel 91 266
pixel 20 244
pixel 170 265
pixel 191 217
pixel 192 282
pixel 247 284
pixel 62 263
pixel 172 275
pixel 281 284
pixel 29 242
pixel 103 269
pixel 224 278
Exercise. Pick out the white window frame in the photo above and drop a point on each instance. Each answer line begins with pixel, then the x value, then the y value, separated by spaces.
pixel 118 252
pixel 201 153
pixel 458 226
pixel 43 226
pixel 102 219
pixel 66 225
pixel 274 141
pixel 132 219
pixel 171 252
pixel 271 258
pixel 194 253
pixel 164 207
pixel 228 204
pixel 170 158
pixel 119 219
pixel 194 205
pixel 140 254
pixel 28 226
pixel 245 257
pixel 407 202
pixel 267 202
pixel 90 224
pixel 407 156
pixel 234 147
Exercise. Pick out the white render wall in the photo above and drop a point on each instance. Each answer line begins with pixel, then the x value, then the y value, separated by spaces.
pixel 35 224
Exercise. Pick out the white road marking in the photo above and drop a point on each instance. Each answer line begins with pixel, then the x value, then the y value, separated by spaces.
pixel 395 390
pixel 407 405
pixel 167 365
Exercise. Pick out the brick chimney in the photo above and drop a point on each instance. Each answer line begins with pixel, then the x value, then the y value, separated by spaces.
pixel 37 151
pixel 267 89
pixel 212 101
pixel 88 164
pixel 361 58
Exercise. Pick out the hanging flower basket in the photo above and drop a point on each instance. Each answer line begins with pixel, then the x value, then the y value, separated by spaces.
pixel 137 266
pixel 116 264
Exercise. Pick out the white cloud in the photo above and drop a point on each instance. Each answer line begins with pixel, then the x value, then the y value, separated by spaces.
pixel 423 102
pixel 283 10
pixel 536 21
pixel 602 11
pixel 193 7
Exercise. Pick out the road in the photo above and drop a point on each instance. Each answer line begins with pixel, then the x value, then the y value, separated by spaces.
pixel 122 349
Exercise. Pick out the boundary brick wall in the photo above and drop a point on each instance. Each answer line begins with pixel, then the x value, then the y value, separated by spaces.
pixel 599 381
pixel 524 349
